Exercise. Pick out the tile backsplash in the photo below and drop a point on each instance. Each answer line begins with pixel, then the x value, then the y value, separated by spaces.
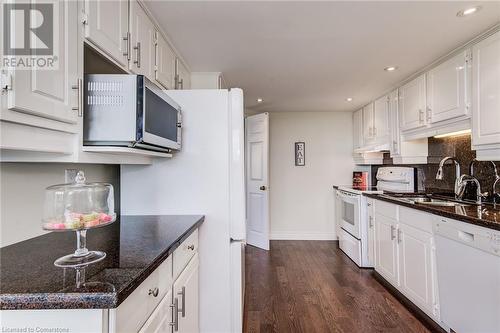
pixel 458 147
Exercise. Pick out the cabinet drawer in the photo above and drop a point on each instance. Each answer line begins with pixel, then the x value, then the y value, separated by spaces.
pixel 386 209
pixel 185 252
pixel 131 315
pixel 160 319
pixel 416 219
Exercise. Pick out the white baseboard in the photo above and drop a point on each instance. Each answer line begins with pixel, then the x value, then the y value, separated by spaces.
pixel 284 235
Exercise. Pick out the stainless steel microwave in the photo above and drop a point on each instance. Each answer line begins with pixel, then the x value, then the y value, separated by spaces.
pixel 131 111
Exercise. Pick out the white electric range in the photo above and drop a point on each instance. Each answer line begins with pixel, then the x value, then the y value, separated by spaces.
pixel 352 216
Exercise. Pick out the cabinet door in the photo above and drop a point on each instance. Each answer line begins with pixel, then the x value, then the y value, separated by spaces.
pixel 357 123
pixel 160 319
pixel 381 119
pixel 368 132
pixel 371 232
pixel 394 123
pixel 142 39
pixel 486 91
pixel 183 75
pixel 412 104
pixel 48 93
pixel 448 89
pixel 165 63
pixel 186 292
pixel 386 248
pixel 415 266
pixel 107 27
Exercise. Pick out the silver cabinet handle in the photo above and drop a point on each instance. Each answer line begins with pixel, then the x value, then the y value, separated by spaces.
pixel 154 292
pixel 370 219
pixel 127 45
pixel 137 49
pixel 429 114
pixel 181 84
pixel 420 115
pixel 191 247
pixel 393 236
pixel 175 315
pixel 79 88
pixel 182 293
pixel 399 235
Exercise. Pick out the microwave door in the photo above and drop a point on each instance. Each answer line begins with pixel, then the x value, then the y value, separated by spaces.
pixel 161 123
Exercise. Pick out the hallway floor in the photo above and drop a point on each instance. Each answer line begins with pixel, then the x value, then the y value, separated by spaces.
pixel 312 286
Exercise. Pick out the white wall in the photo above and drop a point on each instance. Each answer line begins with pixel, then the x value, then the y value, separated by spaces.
pixel 301 198
pixel 22 189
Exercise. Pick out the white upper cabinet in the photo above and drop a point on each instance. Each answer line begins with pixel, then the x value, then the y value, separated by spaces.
pixel 183 75
pixel 109 34
pixel 381 119
pixel 412 104
pixel 357 124
pixel 165 63
pixel 448 89
pixel 486 98
pixel 51 93
pixel 368 124
pixel 142 31
pixel 395 135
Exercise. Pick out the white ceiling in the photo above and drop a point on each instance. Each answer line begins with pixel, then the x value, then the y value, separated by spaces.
pixel 311 56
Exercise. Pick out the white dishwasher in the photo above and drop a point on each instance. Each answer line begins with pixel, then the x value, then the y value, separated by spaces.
pixel 468 271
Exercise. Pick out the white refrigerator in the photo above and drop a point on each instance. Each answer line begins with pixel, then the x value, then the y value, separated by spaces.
pixel 206 177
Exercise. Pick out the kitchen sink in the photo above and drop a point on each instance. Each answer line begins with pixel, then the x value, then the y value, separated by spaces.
pixel 442 203
pixel 426 200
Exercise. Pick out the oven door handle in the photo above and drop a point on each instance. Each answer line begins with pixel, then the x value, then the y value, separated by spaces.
pixel 348 198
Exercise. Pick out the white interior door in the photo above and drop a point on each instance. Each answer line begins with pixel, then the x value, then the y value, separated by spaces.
pixel 257 174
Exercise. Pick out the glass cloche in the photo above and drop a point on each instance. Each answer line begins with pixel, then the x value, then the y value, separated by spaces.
pixel 78 206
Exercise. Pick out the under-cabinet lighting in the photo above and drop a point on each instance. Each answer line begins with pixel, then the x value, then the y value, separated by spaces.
pixel 468 11
pixel 457 133
pixel 260 100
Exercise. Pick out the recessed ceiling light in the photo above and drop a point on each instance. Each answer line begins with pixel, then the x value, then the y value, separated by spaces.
pixel 468 11
pixel 349 99
pixel 390 68
pixel 260 100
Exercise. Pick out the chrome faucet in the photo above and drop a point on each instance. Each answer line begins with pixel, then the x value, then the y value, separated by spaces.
pixel 458 182
pixel 497 177
pixel 464 179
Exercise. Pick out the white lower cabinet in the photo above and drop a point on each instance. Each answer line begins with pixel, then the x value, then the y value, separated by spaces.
pixel 186 320
pixel 371 232
pixel 160 319
pixel 415 266
pixel 405 254
pixel 386 250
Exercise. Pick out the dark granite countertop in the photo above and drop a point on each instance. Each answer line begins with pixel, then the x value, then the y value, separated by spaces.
pixel 482 215
pixel 135 247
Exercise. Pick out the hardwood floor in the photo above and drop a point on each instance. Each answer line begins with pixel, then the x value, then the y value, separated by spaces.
pixel 311 286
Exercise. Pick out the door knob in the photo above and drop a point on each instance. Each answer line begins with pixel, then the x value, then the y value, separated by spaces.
pixel 262 188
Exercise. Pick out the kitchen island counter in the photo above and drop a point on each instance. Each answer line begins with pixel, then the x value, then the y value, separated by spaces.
pixel 135 246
